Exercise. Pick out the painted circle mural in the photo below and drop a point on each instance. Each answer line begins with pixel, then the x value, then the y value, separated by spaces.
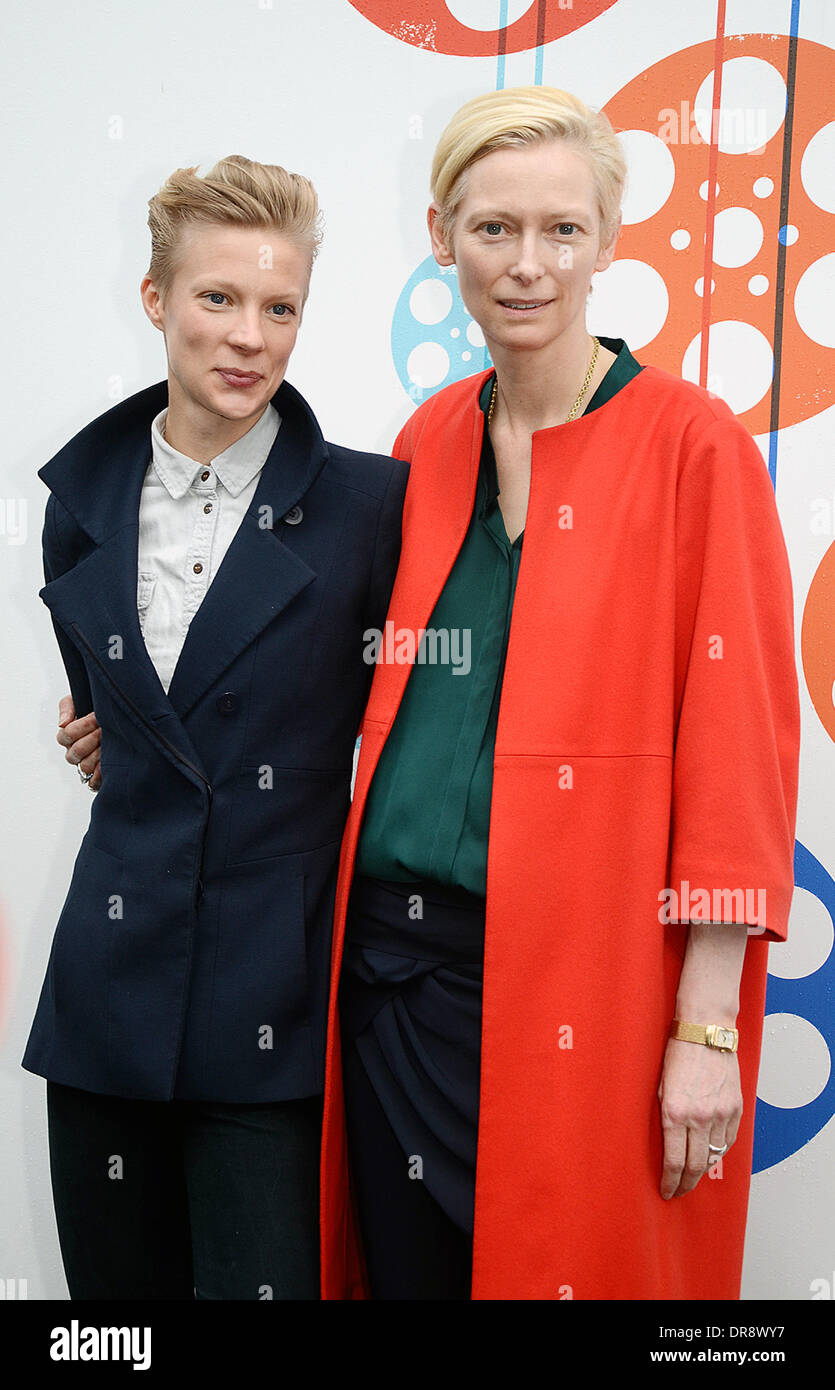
pixel 800 1017
pixel 817 634
pixel 434 339
pixel 653 293
pixel 473 29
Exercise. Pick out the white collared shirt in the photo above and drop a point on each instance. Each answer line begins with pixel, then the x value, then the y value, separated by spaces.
pixel 188 515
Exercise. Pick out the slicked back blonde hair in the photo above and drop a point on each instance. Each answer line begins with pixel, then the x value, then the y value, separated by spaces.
pixel 236 192
pixel 521 116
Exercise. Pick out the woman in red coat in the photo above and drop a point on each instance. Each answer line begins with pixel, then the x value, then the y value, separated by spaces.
pixel 572 829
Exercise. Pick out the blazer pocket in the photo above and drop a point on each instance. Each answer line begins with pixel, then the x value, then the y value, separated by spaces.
pixel 286 810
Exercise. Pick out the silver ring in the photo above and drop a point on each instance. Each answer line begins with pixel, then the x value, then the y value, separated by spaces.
pixel 714 1150
pixel 85 776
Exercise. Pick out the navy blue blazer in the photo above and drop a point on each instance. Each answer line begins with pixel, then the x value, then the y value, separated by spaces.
pixel 191 956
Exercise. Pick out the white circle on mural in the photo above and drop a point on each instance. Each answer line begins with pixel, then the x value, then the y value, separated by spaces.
pixel 699 286
pixel 753 105
pixel 476 15
pixel 680 239
pixel 632 296
pixel 652 173
pixel 809 939
pixel 816 168
pixel 428 364
pixel 790 234
pixel 737 236
pixel 475 335
pixel 740 363
pixel 795 1062
pixel 430 301
pixel 814 301
pixel 758 284
pixel 455 333
pixel 763 187
pixel 703 188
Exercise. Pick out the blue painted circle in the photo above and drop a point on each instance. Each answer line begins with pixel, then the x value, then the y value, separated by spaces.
pixel 431 355
pixel 779 1132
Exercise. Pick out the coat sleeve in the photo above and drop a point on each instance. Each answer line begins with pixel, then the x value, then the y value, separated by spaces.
pixel 735 769
pixel 56 563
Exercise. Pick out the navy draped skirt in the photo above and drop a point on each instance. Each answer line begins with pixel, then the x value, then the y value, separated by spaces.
pixel 410 1006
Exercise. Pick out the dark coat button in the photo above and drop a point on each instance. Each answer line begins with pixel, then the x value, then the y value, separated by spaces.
pixel 294 516
pixel 227 703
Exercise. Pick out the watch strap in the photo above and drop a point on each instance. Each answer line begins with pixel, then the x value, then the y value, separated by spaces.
pixel 709 1035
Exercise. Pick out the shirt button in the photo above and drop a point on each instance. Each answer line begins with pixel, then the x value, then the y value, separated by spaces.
pixel 226 703
pixel 208 507
pixel 205 475
pixel 294 516
pixel 198 568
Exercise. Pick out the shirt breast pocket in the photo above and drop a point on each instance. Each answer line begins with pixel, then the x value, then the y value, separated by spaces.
pixel 146 583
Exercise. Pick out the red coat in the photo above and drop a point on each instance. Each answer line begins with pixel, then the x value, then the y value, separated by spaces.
pixel 648 736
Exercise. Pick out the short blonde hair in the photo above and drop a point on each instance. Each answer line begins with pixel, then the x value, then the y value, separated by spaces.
pixel 522 116
pixel 236 191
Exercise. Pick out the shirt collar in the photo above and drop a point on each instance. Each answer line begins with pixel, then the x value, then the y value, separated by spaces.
pixel 235 467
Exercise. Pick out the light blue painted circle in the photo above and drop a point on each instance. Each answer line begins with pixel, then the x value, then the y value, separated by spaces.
pixel 447 337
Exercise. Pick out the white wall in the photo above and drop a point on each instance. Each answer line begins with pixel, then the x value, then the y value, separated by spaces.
pixel 313 85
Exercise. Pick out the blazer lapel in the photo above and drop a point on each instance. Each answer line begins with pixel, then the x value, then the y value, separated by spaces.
pixel 98 478
pixel 259 575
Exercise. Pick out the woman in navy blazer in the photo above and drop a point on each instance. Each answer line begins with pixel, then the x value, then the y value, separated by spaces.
pixel 181 1022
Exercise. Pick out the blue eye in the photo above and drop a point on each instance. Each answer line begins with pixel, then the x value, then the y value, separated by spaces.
pixel 493 227
pixel 570 225
pixel 214 296
pixel 284 310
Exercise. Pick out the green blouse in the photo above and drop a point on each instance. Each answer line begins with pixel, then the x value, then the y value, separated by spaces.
pixel 428 809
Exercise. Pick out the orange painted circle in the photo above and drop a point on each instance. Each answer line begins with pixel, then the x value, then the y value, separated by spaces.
pixel 817 641
pixel 429 24
pixel 807 369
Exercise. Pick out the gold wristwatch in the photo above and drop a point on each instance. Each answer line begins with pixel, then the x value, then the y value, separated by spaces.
pixel 710 1034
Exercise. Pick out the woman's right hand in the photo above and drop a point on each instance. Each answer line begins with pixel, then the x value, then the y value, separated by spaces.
pixel 82 740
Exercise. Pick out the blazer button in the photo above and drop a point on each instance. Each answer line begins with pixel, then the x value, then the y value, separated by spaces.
pixel 294 516
pixel 226 703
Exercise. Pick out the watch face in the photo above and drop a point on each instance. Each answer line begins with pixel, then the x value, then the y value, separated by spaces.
pixel 724 1037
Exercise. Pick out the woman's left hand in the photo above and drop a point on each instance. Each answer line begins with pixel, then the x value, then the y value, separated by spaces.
pixel 701 1104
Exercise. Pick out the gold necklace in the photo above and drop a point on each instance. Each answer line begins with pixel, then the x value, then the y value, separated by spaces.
pixel 576 406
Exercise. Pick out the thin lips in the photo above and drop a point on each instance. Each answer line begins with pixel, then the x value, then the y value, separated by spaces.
pixel 233 371
pixel 508 302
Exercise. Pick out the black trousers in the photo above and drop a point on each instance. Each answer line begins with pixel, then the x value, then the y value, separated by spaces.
pixel 185 1199
pixel 410 1018
pixel 412 1248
